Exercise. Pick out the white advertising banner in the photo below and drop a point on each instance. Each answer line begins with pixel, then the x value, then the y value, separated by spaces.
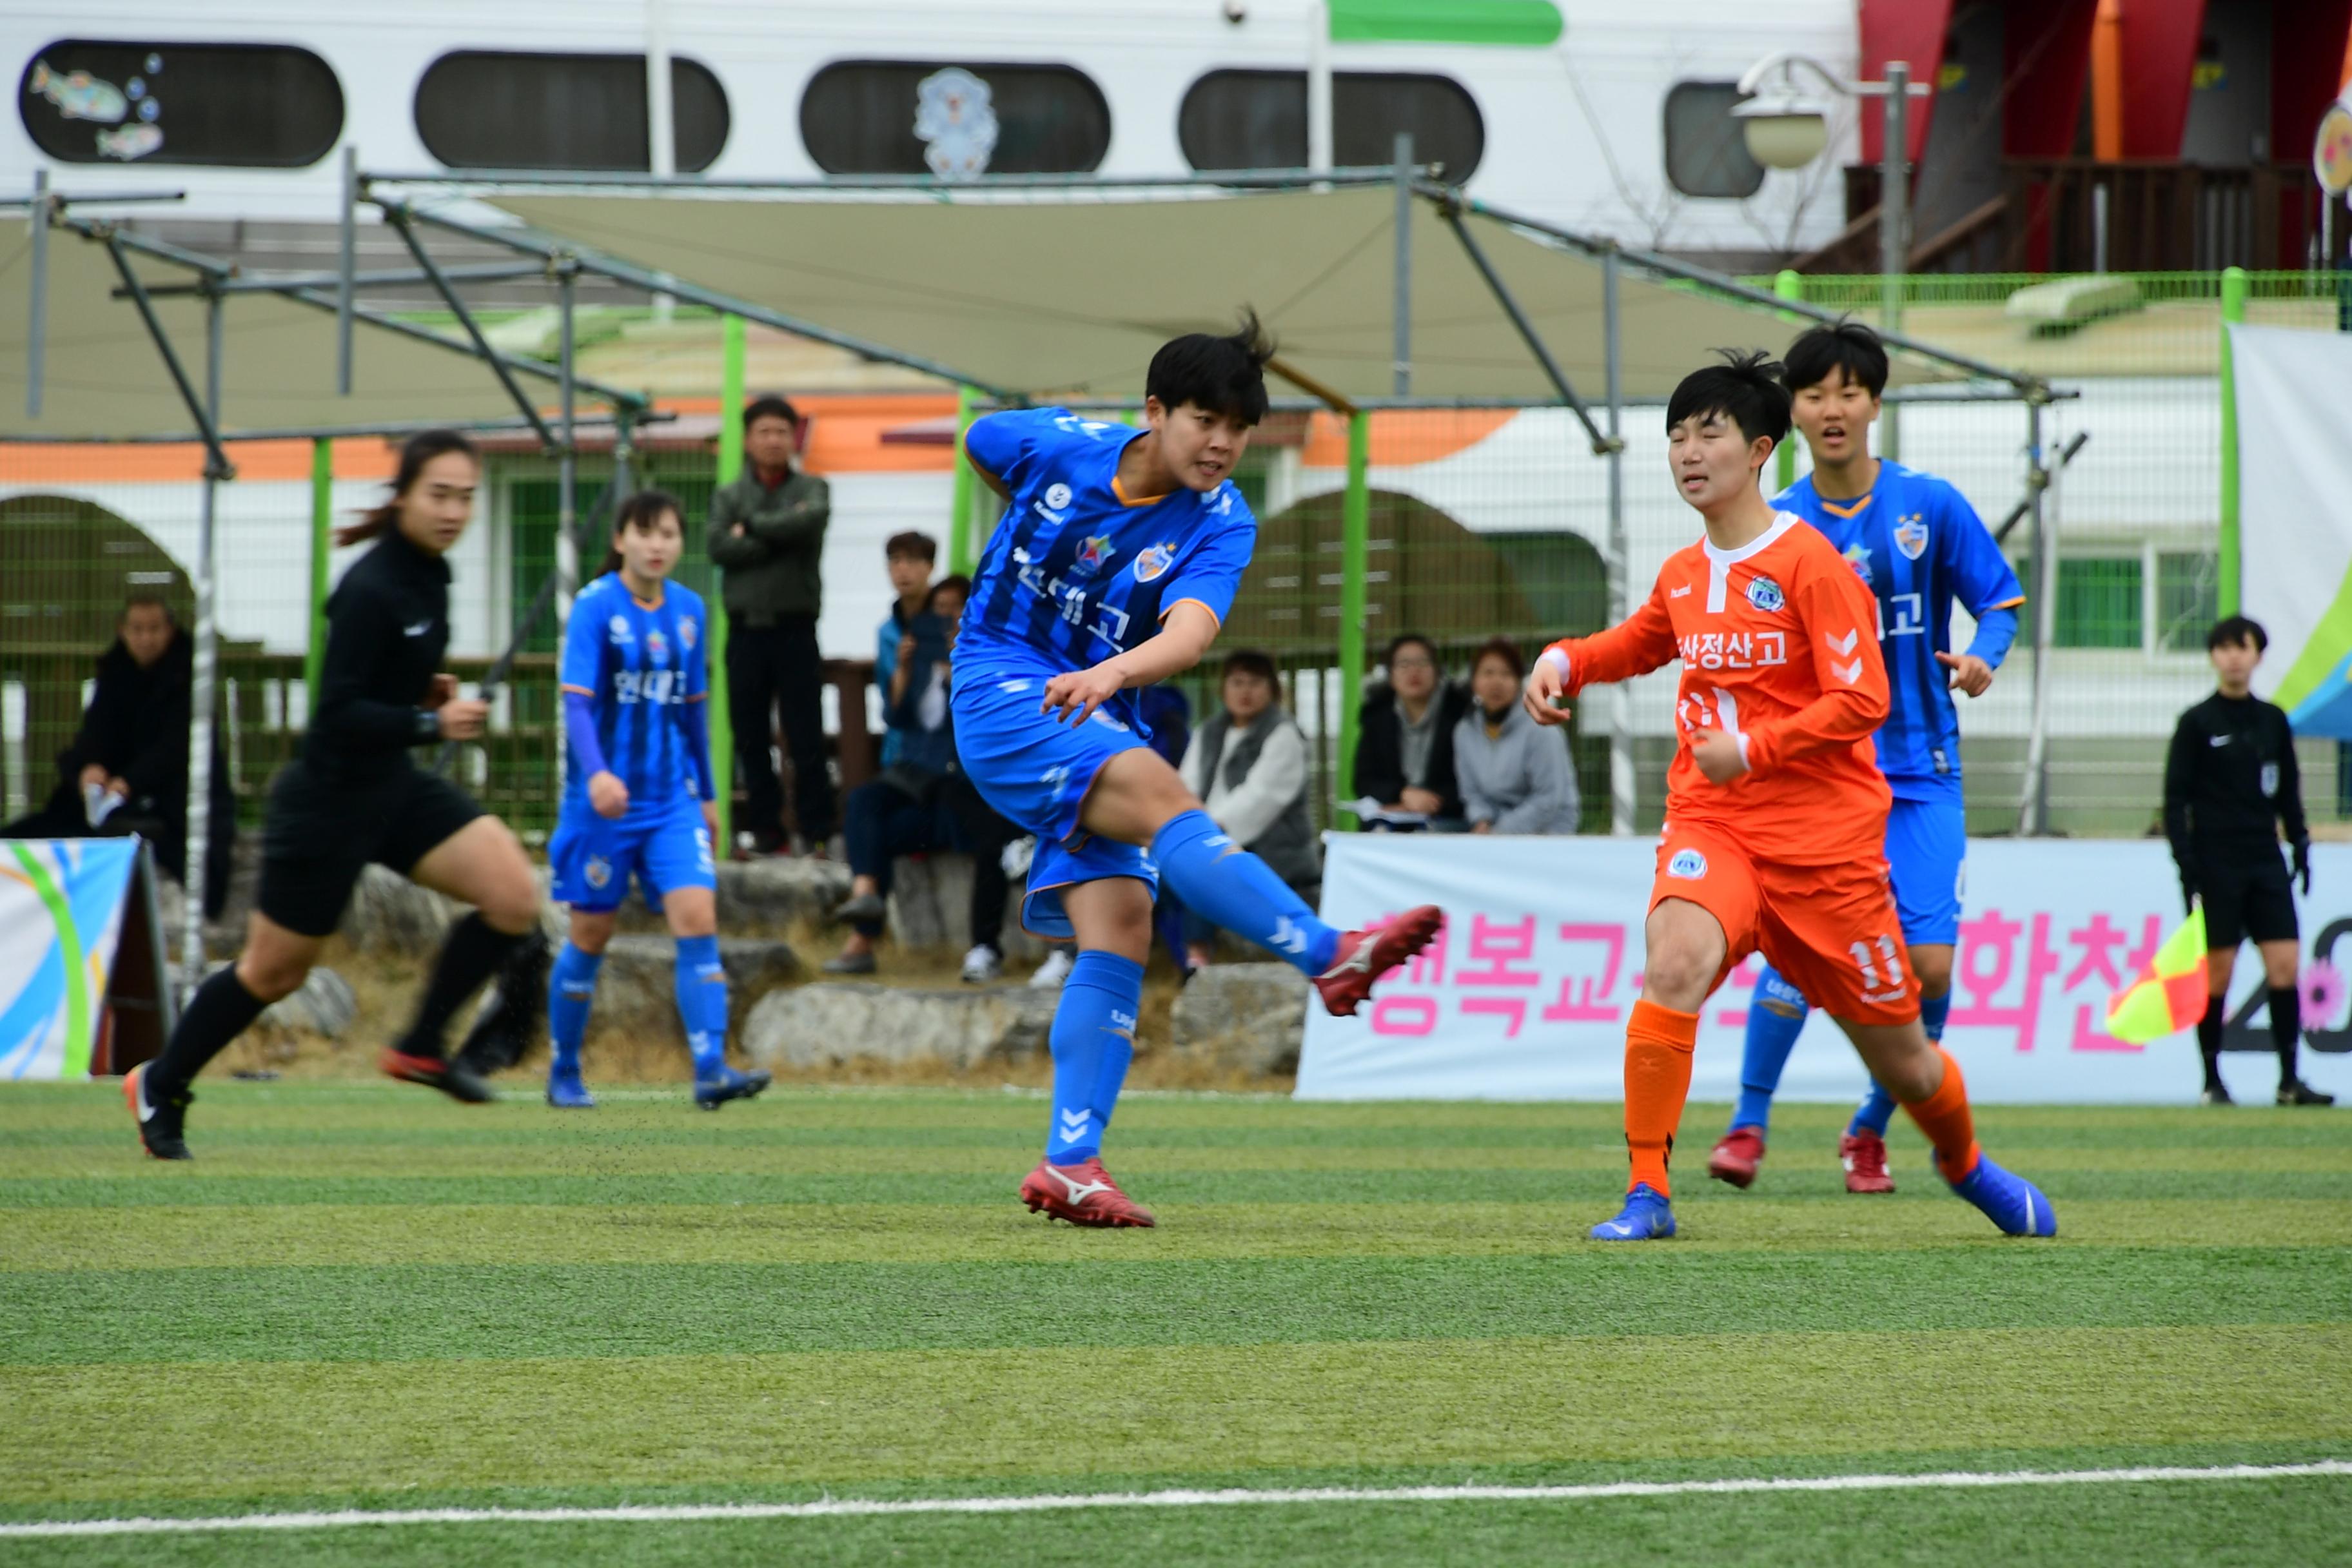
pixel 1525 997
pixel 2295 489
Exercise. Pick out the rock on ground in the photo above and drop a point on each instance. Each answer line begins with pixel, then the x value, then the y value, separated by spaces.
pixel 1250 1017
pixel 831 1025
pixel 637 989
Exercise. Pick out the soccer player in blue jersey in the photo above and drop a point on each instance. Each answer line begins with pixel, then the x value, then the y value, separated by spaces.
pixel 638 795
pixel 1112 568
pixel 1920 547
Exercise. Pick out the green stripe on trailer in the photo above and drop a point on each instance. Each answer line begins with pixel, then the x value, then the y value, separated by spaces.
pixel 1524 24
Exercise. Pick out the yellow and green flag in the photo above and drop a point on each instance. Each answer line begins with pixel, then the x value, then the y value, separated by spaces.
pixel 2169 995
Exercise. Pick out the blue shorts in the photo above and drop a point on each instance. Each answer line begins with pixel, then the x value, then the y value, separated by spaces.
pixel 1928 856
pixel 665 846
pixel 1037 772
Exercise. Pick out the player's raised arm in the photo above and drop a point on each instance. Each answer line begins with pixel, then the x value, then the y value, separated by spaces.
pixel 1641 642
pixel 1838 619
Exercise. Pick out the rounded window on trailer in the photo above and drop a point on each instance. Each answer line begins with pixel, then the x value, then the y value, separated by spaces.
pixel 953 121
pixel 270 106
pixel 1707 151
pixel 1257 119
pixel 482 108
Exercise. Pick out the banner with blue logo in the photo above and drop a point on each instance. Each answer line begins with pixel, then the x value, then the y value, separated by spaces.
pixel 62 904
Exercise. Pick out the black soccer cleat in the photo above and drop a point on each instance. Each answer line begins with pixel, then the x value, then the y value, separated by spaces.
pixel 456 1079
pixel 163 1120
pixel 2215 1095
pixel 727 1084
pixel 2300 1093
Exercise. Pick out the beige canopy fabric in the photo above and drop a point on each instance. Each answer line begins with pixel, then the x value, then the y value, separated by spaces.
pixel 1072 296
pixel 104 377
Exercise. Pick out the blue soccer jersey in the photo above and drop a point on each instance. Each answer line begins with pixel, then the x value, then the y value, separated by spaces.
pixel 1920 545
pixel 1078 571
pixel 639 664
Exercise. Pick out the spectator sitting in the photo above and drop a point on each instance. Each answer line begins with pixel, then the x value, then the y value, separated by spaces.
pixel 1404 736
pixel 1516 776
pixel 767 535
pixel 127 769
pixel 1248 766
pixel 910 558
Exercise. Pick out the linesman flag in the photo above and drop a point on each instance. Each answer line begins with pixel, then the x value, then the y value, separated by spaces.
pixel 2169 995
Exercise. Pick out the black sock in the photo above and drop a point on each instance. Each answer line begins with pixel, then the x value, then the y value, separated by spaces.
pixel 2209 1038
pixel 2286 1029
pixel 473 953
pixel 220 1011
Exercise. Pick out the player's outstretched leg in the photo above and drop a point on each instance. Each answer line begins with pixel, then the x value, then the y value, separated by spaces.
pixel 1093 1041
pixel 571 991
pixel 1775 1019
pixel 1229 887
pixel 1659 1042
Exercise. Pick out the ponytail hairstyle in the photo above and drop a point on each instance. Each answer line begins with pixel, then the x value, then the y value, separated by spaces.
pixel 640 511
pixel 414 453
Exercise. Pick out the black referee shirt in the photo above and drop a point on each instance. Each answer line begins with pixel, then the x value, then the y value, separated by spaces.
pixel 2230 779
pixel 387 628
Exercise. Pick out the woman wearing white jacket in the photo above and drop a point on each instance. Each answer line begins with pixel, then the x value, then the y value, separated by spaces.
pixel 1515 776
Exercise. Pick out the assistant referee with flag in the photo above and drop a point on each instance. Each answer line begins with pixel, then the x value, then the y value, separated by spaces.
pixel 2230 784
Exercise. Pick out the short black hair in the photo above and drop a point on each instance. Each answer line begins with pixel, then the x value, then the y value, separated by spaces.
pixel 1842 344
pixel 145 594
pixel 1222 374
pixel 913 544
pixel 1506 650
pixel 1404 639
pixel 1250 661
pixel 1745 388
pixel 2231 630
pixel 954 580
pixel 771 405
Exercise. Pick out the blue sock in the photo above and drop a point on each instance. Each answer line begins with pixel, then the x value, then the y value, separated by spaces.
pixel 1092 1040
pixel 1775 1019
pixel 571 987
pixel 702 1002
pixel 1226 885
pixel 1877 1107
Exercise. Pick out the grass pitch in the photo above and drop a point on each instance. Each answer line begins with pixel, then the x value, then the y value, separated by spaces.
pixel 363 1297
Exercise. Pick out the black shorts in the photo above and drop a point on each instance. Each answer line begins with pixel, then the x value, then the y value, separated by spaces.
pixel 321 833
pixel 2248 893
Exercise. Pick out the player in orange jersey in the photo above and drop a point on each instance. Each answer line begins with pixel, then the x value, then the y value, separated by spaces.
pixel 1776 811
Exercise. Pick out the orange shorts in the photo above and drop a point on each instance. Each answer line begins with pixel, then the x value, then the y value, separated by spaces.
pixel 1830 931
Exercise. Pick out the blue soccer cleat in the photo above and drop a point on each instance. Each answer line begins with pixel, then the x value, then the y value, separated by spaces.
pixel 2011 1202
pixel 566 1092
pixel 1646 1217
pixel 727 1084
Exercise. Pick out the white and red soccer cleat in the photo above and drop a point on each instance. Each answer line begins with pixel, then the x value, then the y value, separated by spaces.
pixel 1739 1154
pixel 1082 1194
pixel 1365 956
pixel 1863 1156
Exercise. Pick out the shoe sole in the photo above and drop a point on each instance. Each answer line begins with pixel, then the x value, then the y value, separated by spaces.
pixel 1731 1174
pixel 1053 1210
pixel 1865 1186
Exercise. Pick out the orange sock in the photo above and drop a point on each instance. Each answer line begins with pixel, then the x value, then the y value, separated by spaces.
pixel 1658 1046
pixel 1944 1117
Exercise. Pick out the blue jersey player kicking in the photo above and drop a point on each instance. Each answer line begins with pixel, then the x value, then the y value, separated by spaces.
pixel 1920 547
pixel 1113 566
pixel 638 795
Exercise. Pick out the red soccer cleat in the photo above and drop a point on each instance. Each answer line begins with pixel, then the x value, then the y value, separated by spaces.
pixel 1083 1194
pixel 1738 1155
pixel 456 1079
pixel 1863 1156
pixel 1365 956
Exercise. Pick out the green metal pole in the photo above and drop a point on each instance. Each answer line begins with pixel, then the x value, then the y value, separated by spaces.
pixel 2233 308
pixel 1355 531
pixel 323 540
pixel 963 550
pixel 1789 285
pixel 730 466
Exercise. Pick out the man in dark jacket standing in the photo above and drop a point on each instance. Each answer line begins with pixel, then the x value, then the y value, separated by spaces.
pixel 127 770
pixel 767 534
pixel 1405 735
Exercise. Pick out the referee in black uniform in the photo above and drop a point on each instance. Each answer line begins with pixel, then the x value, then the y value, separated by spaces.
pixel 2229 784
pixel 354 796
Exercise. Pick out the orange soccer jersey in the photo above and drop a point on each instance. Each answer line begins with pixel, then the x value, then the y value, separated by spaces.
pixel 1778 641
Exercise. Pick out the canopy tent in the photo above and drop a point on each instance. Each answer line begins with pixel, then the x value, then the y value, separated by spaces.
pixel 1071 297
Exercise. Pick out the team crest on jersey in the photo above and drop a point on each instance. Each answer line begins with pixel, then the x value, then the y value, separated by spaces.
pixel 1911 535
pixel 687 634
pixel 1154 561
pixel 1094 552
pixel 657 647
pixel 1058 495
pixel 1857 555
pixel 1765 593
pixel 1687 864
pixel 599 871
pixel 620 629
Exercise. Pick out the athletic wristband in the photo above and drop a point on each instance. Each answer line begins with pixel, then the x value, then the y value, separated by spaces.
pixel 424 728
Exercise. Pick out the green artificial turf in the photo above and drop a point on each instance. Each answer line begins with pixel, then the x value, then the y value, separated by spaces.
pixel 360 1295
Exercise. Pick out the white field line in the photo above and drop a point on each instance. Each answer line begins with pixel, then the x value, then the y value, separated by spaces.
pixel 850 1507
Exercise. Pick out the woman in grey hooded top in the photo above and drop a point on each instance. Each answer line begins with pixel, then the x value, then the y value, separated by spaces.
pixel 1515 776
